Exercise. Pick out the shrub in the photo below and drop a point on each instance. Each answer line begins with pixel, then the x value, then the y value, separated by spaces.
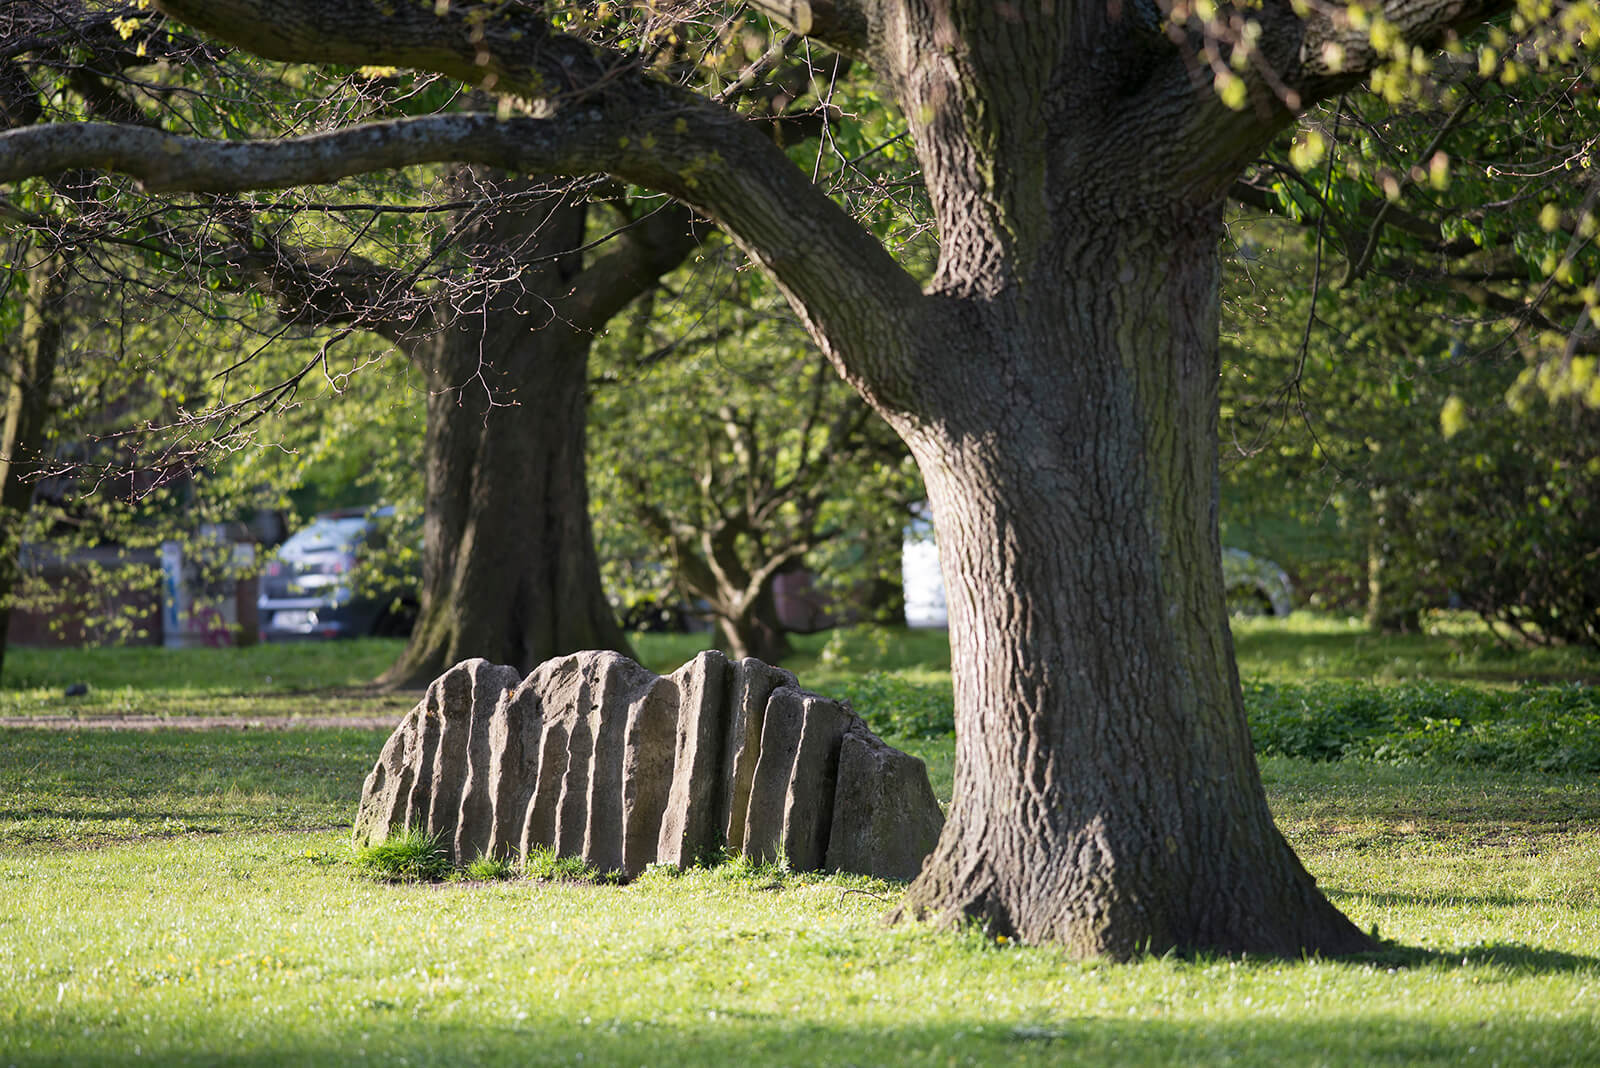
pixel 1548 728
pixel 895 706
pixel 545 863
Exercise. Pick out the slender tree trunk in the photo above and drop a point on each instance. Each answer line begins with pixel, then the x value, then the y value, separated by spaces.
pixel 1391 595
pixel 28 366
pixel 754 630
pixel 1106 796
pixel 509 565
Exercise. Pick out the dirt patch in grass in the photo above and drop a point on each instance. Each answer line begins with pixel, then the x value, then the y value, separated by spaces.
pixel 355 707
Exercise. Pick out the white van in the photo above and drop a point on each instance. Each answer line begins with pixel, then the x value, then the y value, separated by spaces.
pixel 919 573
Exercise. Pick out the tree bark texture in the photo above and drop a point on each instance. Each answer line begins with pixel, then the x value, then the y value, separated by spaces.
pixel 509 566
pixel 1107 797
pixel 1106 794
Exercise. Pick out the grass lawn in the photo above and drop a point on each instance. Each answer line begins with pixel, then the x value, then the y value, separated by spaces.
pixel 188 897
pixel 331 679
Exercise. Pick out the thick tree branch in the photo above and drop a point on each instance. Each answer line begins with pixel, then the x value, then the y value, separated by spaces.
pixel 333 287
pixel 1294 60
pixel 639 255
pixel 855 298
pixel 502 47
pixel 1336 51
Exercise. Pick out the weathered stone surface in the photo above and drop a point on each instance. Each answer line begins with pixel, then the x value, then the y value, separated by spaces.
pixel 690 828
pixel 808 802
pixel 885 817
pixel 594 756
pixel 753 686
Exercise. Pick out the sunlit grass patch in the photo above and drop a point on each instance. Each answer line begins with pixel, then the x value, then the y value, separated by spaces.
pixel 190 898
pixel 1452 647
pixel 261 952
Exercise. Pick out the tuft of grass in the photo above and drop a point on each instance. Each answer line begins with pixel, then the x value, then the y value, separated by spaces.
pixel 489 869
pixel 768 874
pixel 409 857
pixel 544 863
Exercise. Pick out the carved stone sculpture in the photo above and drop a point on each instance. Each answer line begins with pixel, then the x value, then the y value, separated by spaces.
pixel 594 756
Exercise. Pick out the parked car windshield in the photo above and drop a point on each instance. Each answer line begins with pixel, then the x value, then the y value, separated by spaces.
pixel 327 533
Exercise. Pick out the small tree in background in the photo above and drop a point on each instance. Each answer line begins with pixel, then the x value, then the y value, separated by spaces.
pixel 728 453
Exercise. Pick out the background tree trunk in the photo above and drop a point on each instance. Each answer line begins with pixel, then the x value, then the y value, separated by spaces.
pixel 28 364
pixel 1392 602
pixel 510 571
pixel 753 629
pixel 509 565
pixel 1107 796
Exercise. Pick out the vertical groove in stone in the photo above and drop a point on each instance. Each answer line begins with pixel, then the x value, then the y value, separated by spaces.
pixel 514 763
pixel 652 730
pixel 691 827
pixel 572 810
pixel 450 755
pixel 621 684
pixel 410 736
pixel 539 827
pixel 769 787
pixel 556 682
pixel 476 815
pixel 753 683
pixel 808 801
pixel 429 726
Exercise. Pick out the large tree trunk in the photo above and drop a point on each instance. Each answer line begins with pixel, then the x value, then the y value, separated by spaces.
pixel 1106 797
pixel 509 565
pixel 27 373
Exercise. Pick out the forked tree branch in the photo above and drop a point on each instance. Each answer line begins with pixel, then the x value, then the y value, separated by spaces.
pixel 639 255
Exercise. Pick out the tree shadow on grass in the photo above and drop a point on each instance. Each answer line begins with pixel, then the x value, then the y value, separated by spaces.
pixel 1516 956
pixel 1390 899
pixel 1513 955
pixel 418 1034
